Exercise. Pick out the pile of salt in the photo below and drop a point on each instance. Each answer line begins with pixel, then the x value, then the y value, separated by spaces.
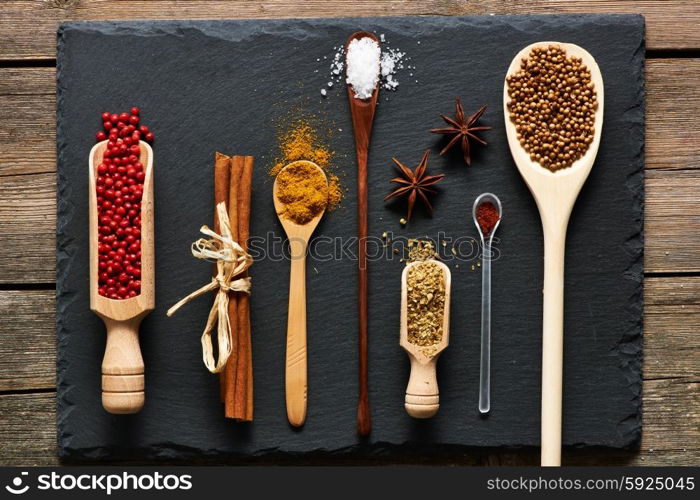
pixel 363 70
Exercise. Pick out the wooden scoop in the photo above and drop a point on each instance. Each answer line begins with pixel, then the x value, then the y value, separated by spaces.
pixel 422 394
pixel 122 366
pixel 362 113
pixel 555 194
pixel 295 371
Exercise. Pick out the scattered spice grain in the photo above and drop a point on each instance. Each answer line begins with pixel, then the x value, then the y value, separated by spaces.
pixel 420 250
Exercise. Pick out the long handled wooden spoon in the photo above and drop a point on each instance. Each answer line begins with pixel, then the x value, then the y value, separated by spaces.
pixel 295 370
pixel 122 366
pixel 555 194
pixel 422 394
pixel 362 112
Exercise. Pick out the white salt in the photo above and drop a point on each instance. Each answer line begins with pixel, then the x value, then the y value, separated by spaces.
pixel 388 64
pixel 364 61
pixel 392 61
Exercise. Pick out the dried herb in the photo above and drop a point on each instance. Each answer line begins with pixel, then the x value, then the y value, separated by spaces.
pixel 415 183
pixel 419 249
pixel 425 287
pixel 462 129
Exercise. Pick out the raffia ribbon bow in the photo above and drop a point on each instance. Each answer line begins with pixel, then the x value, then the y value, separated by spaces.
pixel 231 261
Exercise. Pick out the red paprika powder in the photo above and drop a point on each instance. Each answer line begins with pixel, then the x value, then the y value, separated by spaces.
pixel 487 216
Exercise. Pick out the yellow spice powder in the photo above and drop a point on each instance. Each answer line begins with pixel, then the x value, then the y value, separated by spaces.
pixel 303 191
pixel 300 140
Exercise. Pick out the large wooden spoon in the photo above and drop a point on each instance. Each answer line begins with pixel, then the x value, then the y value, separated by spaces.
pixel 555 194
pixel 362 112
pixel 295 368
pixel 122 365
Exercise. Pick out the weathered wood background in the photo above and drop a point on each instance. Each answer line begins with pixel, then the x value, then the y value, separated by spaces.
pixel 672 214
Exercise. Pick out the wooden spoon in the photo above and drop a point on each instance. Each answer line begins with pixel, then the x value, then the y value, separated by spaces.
pixel 122 365
pixel 362 112
pixel 422 394
pixel 295 371
pixel 555 194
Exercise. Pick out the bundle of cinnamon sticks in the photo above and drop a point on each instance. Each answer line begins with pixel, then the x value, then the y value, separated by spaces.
pixel 233 180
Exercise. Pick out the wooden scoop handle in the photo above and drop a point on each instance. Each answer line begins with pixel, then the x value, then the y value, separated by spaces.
pixel 422 394
pixel 122 368
pixel 295 372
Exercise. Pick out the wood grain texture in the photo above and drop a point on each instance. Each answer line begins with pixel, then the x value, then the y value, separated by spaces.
pixel 672 221
pixel 671 388
pixel 28 429
pixel 27 340
pixel 28 228
pixel 28 164
pixel 28 27
pixel 671 417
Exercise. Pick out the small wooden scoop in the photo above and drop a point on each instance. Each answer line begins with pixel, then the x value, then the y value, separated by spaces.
pixel 122 365
pixel 555 194
pixel 422 394
pixel 295 371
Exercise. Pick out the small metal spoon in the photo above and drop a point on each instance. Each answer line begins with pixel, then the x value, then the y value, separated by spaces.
pixel 485 373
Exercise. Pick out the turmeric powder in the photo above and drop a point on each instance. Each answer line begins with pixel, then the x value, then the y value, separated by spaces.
pixel 299 140
pixel 303 191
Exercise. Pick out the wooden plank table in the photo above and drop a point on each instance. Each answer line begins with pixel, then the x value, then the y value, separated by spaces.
pixel 671 434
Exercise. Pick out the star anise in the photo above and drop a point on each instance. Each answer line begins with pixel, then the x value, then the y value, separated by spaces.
pixel 415 183
pixel 463 129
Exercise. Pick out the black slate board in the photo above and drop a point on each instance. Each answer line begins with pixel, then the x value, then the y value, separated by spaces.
pixel 217 85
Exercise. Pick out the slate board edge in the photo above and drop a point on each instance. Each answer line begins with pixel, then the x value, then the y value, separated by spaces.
pixel 630 345
pixel 63 263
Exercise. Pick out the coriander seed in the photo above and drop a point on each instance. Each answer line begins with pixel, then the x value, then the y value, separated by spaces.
pixel 553 104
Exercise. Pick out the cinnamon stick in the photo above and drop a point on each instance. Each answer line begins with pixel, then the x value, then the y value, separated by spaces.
pixel 243 402
pixel 222 176
pixel 236 169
